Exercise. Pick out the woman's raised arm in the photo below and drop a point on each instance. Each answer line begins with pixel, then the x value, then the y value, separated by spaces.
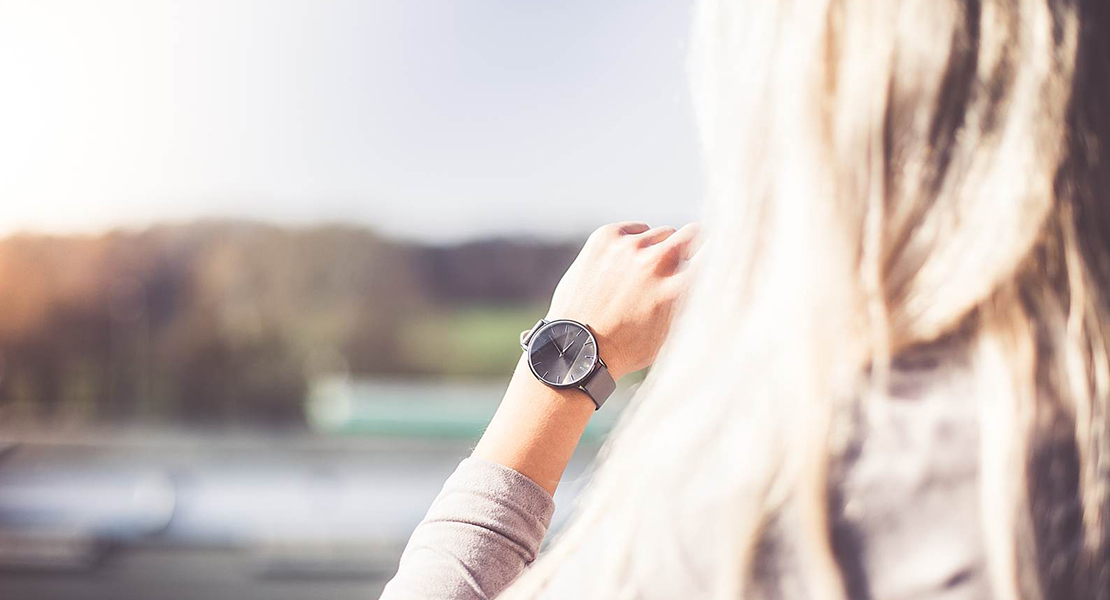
pixel 490 519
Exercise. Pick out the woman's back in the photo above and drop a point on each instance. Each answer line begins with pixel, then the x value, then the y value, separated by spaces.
pixel 903 512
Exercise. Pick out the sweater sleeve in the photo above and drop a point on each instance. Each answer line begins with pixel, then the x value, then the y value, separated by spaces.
pixel 482 530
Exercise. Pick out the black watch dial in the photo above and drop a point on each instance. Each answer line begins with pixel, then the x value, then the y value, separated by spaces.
pixel 562 353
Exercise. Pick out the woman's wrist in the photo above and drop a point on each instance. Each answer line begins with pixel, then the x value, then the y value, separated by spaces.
pixel 536 428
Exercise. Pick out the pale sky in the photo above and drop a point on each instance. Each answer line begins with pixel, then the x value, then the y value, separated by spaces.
pixel 436 119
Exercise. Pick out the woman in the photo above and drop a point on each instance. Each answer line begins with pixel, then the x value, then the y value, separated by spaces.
pixel 890 374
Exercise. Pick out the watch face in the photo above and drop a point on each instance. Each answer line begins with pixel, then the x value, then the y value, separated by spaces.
pixel 562 353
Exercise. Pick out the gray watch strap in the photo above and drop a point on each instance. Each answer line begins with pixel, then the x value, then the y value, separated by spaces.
pixel 600 385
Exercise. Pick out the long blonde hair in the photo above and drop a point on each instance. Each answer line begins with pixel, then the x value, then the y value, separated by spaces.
pixel 882 175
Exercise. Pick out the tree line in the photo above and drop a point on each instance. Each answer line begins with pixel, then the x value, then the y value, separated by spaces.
pixel 229 322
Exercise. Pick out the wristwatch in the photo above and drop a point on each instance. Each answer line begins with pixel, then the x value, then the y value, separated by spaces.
pixel 563 354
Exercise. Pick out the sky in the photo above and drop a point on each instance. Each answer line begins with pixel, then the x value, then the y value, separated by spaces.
pixel 427 119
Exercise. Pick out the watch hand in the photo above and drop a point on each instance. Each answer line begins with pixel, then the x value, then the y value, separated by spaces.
pixel 570 342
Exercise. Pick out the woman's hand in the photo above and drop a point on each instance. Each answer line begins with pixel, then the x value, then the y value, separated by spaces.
pixel 624 285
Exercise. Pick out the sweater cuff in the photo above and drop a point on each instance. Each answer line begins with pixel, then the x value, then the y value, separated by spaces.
pixel 505 487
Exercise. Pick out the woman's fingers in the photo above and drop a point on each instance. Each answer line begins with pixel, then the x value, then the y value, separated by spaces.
pixel 632 227
pixel 687 240
pixel 656 235
pixel 684 241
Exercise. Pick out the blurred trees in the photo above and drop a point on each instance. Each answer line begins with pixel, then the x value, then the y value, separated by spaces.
pixel 228 322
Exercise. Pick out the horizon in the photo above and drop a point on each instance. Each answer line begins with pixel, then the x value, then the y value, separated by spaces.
pixel 318 225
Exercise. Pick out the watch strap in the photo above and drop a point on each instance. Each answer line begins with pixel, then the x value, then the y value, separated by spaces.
pixel 526 336
pixel 600 385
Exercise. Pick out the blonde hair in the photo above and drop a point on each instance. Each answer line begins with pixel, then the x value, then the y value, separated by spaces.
pixel 882 175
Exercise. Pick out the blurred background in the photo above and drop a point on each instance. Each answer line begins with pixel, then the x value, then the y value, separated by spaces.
pixel 263 267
